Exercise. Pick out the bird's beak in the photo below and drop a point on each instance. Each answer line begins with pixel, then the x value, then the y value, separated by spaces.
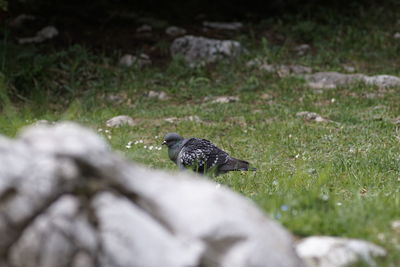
pixel 164 142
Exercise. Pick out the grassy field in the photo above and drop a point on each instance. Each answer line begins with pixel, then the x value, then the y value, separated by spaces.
pixel 338 178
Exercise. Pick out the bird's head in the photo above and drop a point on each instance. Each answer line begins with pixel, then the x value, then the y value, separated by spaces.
pixel 171 139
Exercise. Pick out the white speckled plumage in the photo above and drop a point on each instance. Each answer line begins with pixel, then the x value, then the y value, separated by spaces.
pixel 201 155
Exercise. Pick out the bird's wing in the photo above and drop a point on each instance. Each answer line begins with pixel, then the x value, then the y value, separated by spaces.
pixel 202 154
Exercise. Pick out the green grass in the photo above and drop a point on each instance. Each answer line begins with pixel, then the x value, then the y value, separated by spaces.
pixel 340 178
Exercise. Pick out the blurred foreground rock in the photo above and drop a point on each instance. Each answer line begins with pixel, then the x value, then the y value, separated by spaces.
pixel 327 251
pixel 201 50
pixel 66 200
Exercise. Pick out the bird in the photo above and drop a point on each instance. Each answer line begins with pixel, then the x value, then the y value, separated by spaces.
pixel 201 156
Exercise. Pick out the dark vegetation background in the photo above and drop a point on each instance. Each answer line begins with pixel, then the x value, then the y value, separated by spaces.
pixel 106 28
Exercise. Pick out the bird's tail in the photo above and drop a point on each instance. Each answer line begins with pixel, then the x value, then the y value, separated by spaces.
pixel 236 165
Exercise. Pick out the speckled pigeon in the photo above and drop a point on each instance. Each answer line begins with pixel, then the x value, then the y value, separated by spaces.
pixel 201 156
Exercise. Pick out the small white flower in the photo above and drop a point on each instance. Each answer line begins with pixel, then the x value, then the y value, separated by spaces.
pixel 128 146
pixel 136 142
pixel 156 137
pixel 144 147
pixel 107 131
pixel 297 156
pixel 290 136
pixel 99 130
pixel 159 148
pixel 339 204
pixel 333 100
pixel 109 136
pixel 150 147
pixel 141 141
pixel 275 182
pixel 129 143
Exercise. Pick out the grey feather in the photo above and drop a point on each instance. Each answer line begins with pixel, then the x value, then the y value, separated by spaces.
pixel 201 155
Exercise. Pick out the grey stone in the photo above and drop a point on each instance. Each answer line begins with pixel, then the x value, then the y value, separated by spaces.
pixel 284 70
pixel 225 99
pixel 327 251
pixel 201 50
pixel 396 35
pixel 120 121
pixel 140 61
pixel 46 33
pixel 327 80
pixel 68 201
pixel 175 31
pixel 302 49
pixel 230 26
pixel 382 80
pixel 144 28
pixel 311 116
pixel 161 95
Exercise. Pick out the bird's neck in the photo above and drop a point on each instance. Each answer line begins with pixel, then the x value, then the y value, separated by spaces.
pixel 174 150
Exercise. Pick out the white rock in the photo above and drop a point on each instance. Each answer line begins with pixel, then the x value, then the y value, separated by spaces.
pixel 120 121
pixel 66 200
pixel 171 119
pixel 327 80
pixel 175 31
pixel 144 28
pixel 286 70
pixel 46 33
pixel 141 61
pixel 231 26
pixel 201 50
pixel 326 251
pixel 311 116
pixel 161 95
pixel 302 49
pixel 226 99
pixel 382 80
pixel 396 35
pixel 194 118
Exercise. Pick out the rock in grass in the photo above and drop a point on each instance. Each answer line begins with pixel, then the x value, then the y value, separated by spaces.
pixel 160 95
pixel 327 251
pixel 140 61
pixel 62 184
pixel 230 26
pixel 175 31
pixel 144 28
pixel 328 80
pixel 225 99
pixel 44 34
pixel 311 116
pixel 382 80
pixel 302 49
pixel 120 121
pixel 201 50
